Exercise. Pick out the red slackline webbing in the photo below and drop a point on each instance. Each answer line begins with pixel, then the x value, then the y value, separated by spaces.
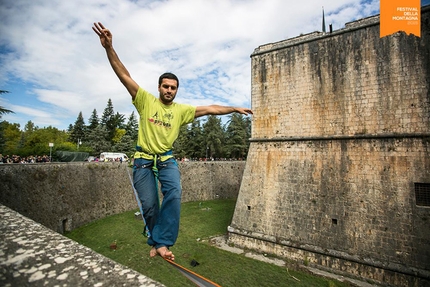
pixel 194 277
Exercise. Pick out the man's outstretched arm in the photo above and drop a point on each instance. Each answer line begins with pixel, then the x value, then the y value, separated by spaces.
pixel 220 110
pixel 119 69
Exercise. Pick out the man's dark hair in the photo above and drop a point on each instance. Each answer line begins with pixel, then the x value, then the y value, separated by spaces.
pixel 170 76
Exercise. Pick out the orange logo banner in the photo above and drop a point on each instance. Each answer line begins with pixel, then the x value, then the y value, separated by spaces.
pixel 400 15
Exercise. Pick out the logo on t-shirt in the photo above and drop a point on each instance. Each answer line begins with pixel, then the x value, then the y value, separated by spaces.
pixel 163 121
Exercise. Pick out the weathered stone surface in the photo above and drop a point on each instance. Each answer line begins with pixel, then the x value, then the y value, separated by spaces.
pixel 339 138
pixel 33 255
pixel 63 196
pixel 211 180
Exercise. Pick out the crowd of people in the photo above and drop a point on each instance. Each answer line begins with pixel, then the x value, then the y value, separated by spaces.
pixel 28 159
pixel 45 158
pixel 184 159
pixel 96 159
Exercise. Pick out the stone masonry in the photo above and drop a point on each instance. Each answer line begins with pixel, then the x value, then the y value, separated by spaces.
pixel 64 196
pixel 33 255
pixel 340 142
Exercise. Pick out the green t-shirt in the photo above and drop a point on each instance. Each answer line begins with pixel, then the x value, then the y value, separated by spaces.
pixel 159 124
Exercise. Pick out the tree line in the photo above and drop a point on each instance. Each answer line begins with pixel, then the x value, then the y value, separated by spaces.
pixel 207 137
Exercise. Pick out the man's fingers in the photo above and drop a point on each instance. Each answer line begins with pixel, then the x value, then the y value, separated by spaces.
pixel 98 28
pixel 97 32
pixel 101 25
pixel 101 31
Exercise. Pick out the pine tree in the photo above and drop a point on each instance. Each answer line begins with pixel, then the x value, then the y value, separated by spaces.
pixel 78 132
pixel 238 133
pixel 97 140
pixel 29 127
pixel 195 147
pixel 93 121
pixel 214 136
pixel 132 126
pixel 119 120
pixel 108 121
pixel 126 145
pixel 180 146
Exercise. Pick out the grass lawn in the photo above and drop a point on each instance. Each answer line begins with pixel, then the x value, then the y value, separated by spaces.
pixel 199 222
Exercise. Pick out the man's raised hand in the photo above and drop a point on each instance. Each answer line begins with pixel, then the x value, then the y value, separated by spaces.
pixel 104 34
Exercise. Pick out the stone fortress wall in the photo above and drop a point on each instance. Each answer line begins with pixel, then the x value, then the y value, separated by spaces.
pixel 59 197
pixel 64 196
pixel 338 171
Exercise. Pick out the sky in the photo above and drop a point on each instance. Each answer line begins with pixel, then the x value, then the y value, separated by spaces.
pixel 53 66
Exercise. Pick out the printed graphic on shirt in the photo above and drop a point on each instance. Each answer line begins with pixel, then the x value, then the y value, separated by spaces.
pixel 162 120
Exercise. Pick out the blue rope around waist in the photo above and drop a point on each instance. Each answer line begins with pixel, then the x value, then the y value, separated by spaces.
pixel 139 149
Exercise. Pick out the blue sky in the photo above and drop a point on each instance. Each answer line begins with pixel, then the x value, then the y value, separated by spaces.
pixel 54 67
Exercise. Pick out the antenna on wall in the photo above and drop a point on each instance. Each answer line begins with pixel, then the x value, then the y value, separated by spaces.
pixel 323 20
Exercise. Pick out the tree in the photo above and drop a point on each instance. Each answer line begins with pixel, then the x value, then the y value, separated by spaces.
pixel 238 134
pixel 126 145
pixel 96 140
pixel 188 143
pixel 119 121
pixel 29 128
pixel 108 121
pixel 195 146
pixel 78 132
pixel 180 145
pixel 10 136
pixel 3 110
pixel 93 121
pixel 119 134
pixel 132 126
pixel 37 141
pixel 213 134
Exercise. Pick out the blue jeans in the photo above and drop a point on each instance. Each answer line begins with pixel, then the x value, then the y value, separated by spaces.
pixel 161 221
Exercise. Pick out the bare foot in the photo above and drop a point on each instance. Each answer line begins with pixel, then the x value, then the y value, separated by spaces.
pixel 165 253
pixel 153 252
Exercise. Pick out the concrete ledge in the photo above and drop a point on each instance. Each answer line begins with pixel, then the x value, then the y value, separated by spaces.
pixel 33 255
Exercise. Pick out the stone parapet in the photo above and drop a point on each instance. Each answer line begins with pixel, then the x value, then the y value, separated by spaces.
pixel 64 196
pixel 33 255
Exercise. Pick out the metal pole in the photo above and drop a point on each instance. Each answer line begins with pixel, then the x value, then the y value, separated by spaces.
pixel 50 151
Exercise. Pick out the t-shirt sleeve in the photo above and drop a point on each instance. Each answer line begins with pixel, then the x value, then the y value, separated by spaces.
pixel 188 114
pixel 140 99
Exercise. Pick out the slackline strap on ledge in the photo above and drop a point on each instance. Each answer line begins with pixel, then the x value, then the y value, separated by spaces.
pixel 194 277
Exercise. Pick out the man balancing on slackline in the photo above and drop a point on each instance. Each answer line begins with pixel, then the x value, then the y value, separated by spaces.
pixel 159 124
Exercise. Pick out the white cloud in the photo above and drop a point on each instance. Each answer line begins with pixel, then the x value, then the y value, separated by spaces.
pixel 50 46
